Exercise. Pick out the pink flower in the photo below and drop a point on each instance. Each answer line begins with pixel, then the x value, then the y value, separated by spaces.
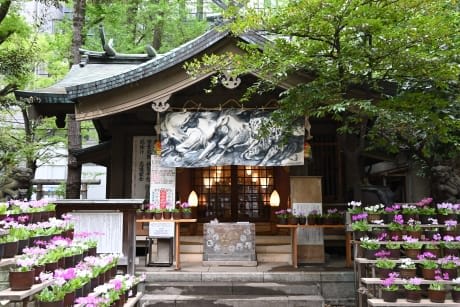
pixel 116 284
pixel 415 281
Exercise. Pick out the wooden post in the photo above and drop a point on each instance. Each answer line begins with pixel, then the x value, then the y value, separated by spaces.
pixel 39 191
pixel 84 190
pixel 73 167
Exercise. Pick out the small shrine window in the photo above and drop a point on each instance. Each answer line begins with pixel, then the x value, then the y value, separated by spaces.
pixel 234 193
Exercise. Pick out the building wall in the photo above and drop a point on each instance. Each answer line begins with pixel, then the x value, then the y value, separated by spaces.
pixel 57 169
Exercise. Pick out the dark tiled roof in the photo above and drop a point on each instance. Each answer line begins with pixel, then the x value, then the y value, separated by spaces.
pixel 91 79
pixel 150 67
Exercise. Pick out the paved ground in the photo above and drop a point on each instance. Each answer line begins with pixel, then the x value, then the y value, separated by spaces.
pixel 334 263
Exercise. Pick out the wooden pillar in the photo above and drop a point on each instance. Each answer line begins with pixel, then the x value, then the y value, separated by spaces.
pixel 73 166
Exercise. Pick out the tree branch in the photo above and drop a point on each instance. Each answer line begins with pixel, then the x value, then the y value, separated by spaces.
pixel 9 88
pixel 4 8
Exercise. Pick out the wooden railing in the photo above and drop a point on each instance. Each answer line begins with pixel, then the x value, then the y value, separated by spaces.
pixel 41 182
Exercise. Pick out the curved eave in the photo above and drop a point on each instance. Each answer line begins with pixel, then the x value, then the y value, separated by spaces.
pixel 159 63
pixel 42 97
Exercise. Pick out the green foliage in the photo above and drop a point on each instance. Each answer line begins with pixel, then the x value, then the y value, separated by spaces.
pixel 385 263
pixel 386 70
pixel 133 25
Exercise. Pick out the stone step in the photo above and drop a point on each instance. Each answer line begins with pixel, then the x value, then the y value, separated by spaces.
pixel 260 239
pixel 232 300
pixel 198 248
pixel 249 275
pixel 232 288
pixel 261 257
pixel 274 257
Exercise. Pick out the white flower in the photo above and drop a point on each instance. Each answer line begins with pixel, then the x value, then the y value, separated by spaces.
pixel 406 263
pixel 354 204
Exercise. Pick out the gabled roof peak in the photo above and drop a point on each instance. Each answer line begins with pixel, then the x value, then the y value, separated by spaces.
pixel 110 55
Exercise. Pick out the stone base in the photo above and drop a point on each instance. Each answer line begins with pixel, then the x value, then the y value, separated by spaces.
pixel 229 263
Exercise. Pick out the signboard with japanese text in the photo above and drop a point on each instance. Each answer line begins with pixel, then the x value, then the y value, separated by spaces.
pixel 161 229
pixel 142 150
pixel 162 184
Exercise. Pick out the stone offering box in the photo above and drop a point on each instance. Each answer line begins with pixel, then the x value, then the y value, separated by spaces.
pixel 229 244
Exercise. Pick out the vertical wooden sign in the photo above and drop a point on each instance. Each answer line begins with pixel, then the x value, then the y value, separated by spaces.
pixel 306 195
pixel 142 150
pixel 162 184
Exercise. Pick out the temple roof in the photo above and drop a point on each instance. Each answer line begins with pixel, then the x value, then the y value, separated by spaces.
pixel 100 72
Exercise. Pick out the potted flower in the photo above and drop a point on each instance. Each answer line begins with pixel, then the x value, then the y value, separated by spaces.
pixel 413 228
pixel 157 212
pixel 396 226
pixel 334 217
pixel 359 225
pixel 49 294
pixel 450 227
pixel 175 213
pixel 409 211
pixel 390 211
pixel 426 212
pixel 390 288
pixel 437 290
pixel 374 212
pixel 446 211
pixel 384 265
pixel 186 210
pixel 394 248
pixel 10 245
pixel 429 265
pixel 412 246
pixel 413 289
pixel 354 207
pixel 456 290
pixel 432 248
pixel 313 217
pixel 407 268
pixel 282 215
pixel 301 217
pixel 21 276
pixel 449 265
pixel 451 245
pixel 370 247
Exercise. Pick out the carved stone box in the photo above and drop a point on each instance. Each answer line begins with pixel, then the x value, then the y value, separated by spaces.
pixel 229 243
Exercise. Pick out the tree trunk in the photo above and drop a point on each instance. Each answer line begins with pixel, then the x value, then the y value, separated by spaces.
pixel 79 12
pixel 73 167
pixel 158 30
pixel 73 184
pixel 353 166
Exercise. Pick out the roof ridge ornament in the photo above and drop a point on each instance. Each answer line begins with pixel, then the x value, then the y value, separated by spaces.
pixel 107 46
pixel 151 52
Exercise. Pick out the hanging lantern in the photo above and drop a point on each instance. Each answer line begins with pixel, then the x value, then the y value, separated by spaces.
pixel 157 148
pixel 307 150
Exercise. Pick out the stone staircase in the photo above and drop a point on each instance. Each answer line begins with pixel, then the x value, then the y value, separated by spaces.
pixel 268 248
pixel 272 283
pixel 224 289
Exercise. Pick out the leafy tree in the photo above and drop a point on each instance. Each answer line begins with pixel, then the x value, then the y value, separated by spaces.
pixel 163 24
pixel 22 139
pixel 386 70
